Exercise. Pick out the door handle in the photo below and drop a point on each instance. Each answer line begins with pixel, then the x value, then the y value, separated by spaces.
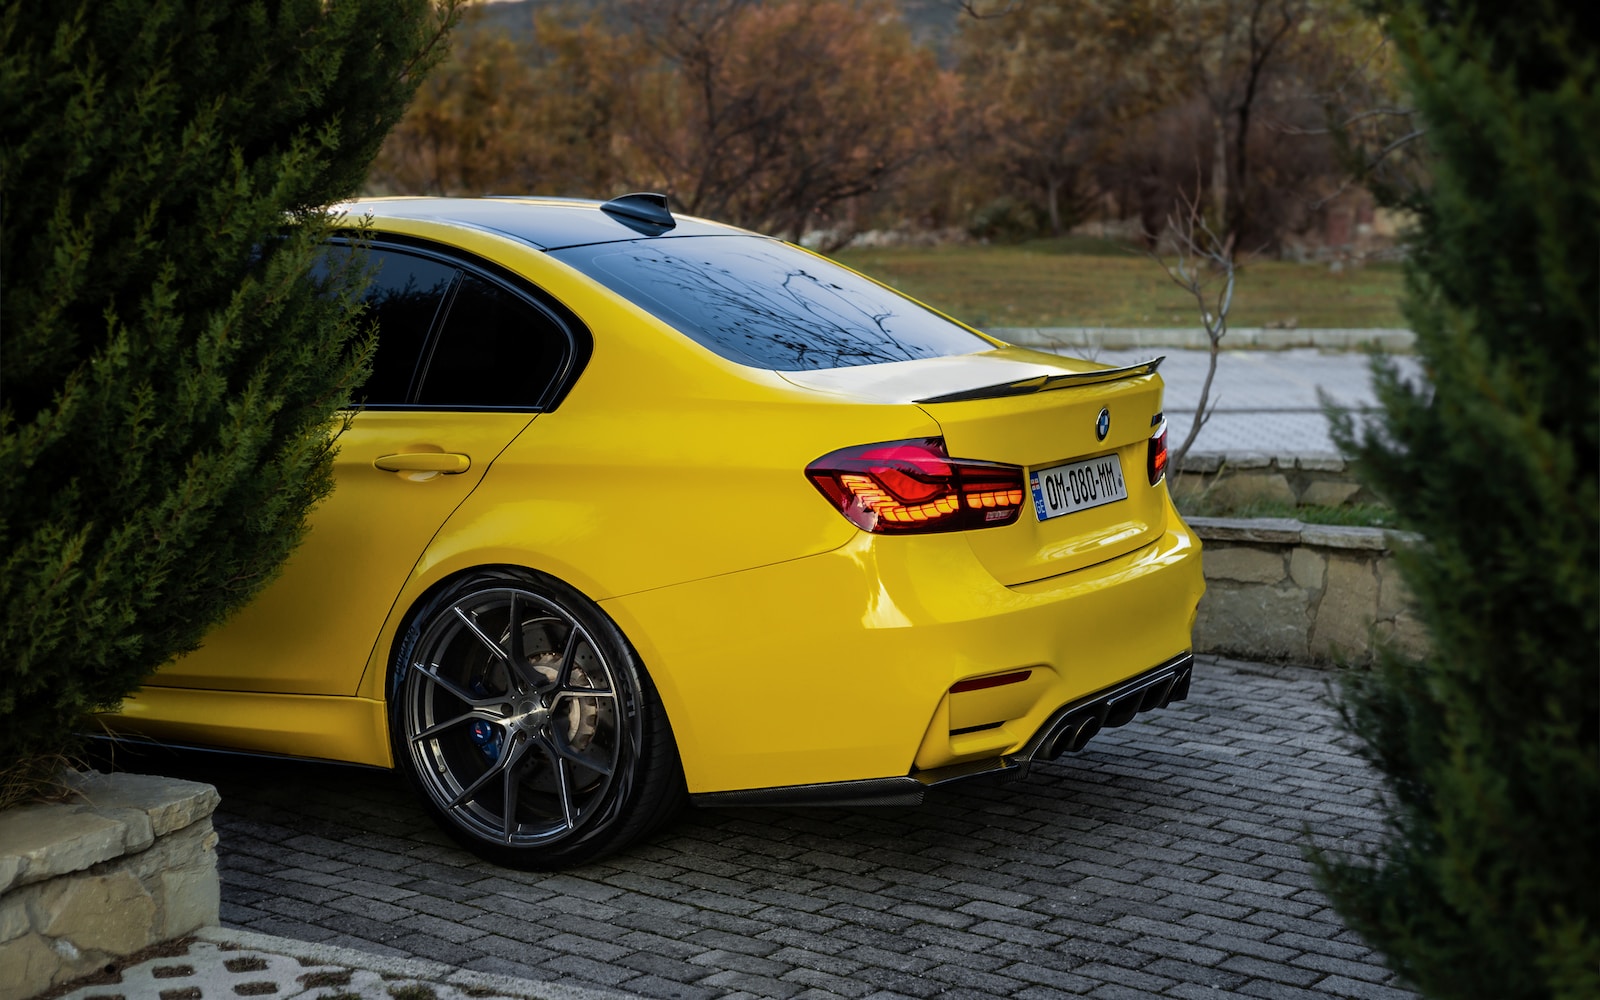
pixel 447 462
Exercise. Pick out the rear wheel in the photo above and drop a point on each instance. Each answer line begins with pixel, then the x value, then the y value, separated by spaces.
pixel 528 724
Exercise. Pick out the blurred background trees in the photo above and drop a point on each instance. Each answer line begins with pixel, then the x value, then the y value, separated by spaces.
pixel 830 117
pixel 1053 90
pixel 508 115
pixel 777 116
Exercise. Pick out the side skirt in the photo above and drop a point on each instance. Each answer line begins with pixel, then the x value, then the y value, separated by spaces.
pixel 321 727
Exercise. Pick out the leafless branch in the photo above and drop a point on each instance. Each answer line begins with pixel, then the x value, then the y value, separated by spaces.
pixel 970 8
pixel 1318 204
pixel 1379 113
pixel 1404 140
pixel 1201 259
pixel 1284 128
pixel 1370 164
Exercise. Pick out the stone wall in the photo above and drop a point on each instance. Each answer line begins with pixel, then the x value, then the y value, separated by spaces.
pixel 1277 589
pixel 1223 482
pixel 128 862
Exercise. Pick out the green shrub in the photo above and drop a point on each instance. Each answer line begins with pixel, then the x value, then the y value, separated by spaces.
pixel 1485 885
pixel 170 368
pixel 1005 220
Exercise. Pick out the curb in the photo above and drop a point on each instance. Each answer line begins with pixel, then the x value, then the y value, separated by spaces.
pixel 1288 531
pixel 1238 338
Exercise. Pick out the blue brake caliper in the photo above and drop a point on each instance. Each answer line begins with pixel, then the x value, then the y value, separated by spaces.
pixel 485 735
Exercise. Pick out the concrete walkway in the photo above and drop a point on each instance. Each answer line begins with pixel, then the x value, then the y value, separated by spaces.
pixel 220 963
pixel 1267 402
pixel 1263 401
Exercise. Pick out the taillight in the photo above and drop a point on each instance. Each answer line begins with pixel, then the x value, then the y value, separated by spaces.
pixel 915 486
pixel 1157 465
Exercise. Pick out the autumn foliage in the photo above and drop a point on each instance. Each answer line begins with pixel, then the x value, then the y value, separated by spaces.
pixel 831 116
pixel 720 103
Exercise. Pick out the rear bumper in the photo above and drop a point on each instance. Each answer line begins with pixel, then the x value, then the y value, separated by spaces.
pixel 857 664
pixel 1069 729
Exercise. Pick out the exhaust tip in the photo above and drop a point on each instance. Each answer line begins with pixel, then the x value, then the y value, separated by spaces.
pixel 1085 733
pixel 1055 744
pixel 1075 725
pixel 1071 735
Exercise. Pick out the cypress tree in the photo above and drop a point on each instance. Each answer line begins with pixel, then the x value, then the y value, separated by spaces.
pixel 1487 882
pixel 169 366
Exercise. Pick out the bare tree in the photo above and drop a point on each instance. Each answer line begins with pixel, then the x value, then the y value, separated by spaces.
pixel 1233 49
pixel 776 115
pixel 1202 264
pixel 1053 85
pixel 505 115
pixel 1375 130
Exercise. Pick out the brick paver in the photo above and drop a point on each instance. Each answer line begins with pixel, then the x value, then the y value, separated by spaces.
pixel 1165 860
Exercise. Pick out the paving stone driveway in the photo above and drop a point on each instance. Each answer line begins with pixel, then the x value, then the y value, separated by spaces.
pixel 1163 861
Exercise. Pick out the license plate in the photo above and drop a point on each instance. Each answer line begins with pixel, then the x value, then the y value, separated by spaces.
pixel 1075 486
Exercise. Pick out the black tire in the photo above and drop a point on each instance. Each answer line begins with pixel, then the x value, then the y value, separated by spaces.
pixel 542 745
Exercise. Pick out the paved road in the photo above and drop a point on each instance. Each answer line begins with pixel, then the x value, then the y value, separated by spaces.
pixel 1165 860
pixel 1261 401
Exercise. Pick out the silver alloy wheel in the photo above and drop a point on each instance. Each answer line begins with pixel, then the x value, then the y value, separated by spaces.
pixel 518 724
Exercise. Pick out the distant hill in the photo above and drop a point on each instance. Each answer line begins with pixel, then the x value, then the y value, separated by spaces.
pixel 932 22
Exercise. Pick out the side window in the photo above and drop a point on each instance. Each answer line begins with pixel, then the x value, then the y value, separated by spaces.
pixel 496 349
pixel 404 299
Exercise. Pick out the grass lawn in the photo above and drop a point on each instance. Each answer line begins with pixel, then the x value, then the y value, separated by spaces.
pixel 1366 515
pixel 1078 282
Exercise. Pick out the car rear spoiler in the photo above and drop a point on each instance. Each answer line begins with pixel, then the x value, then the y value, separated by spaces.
pixel 1042 383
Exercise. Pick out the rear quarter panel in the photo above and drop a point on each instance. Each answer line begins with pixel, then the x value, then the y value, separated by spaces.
pixel 664 464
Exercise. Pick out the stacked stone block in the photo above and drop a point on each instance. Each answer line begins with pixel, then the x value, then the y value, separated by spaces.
pixel 1224 482
pixel 1304 593
pixel 127 862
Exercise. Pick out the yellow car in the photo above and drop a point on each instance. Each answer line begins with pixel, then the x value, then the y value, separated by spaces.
pixel 636 506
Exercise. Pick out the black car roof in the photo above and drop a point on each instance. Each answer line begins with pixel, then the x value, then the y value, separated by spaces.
pixel 545 223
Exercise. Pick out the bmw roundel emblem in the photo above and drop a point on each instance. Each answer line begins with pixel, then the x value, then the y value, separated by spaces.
pixel 1102 424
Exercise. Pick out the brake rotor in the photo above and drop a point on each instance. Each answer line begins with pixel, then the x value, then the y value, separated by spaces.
pixel 581 715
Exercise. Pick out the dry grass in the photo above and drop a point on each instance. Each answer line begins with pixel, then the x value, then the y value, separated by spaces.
pixel 1056 283
pixel 40 778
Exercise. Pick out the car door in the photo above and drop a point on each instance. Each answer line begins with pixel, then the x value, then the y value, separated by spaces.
pixel 462 365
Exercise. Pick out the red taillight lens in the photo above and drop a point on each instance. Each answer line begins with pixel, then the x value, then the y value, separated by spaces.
pixel 915 486
pixel 1158 454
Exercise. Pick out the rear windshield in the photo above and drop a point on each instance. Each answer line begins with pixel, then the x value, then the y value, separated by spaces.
pixel 766 304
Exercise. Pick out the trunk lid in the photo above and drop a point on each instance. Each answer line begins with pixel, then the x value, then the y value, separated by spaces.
pixel 1042 412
